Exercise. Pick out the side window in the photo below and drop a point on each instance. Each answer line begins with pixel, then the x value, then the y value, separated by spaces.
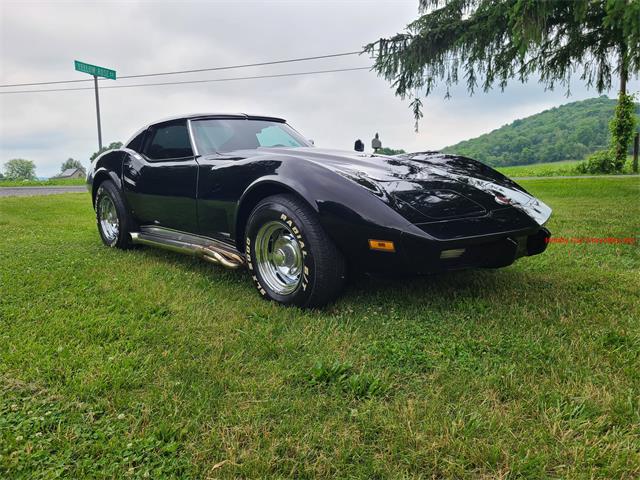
pixel 136 143
pixel 168 141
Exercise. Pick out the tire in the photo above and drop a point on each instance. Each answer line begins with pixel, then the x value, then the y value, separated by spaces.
pixel 113 221
pixel 291 258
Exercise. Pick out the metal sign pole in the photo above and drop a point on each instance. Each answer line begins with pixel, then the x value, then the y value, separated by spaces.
pixel 96 72
pixel 95 83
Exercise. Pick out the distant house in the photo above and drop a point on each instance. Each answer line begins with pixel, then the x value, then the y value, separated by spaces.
pixel 72 173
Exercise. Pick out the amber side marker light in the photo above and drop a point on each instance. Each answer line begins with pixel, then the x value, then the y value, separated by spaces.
pixel 382 245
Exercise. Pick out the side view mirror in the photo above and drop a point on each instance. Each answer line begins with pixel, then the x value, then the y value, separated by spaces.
pixel 310 140
pixel 358 146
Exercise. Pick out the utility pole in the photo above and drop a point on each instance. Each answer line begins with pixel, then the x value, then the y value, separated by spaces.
pixel 96 72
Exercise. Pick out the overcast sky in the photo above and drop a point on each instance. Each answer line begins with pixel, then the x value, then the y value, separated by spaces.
pixel 40 40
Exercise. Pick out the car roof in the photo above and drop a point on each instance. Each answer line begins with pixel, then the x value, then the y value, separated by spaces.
pixel 194 116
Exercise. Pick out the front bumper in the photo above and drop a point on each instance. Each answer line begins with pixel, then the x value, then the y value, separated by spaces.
pixel 415 255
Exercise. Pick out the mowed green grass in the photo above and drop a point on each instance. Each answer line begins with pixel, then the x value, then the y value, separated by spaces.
pixel 147 364
pixel 52 182
pixel 566 167
pixel 553 169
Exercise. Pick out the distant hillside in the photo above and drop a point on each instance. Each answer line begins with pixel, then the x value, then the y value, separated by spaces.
pixel 568 132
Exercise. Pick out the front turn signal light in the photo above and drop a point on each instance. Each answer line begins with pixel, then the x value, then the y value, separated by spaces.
pixel 382 245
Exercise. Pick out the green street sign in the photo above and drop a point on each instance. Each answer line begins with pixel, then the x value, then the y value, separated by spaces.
pixel 95 70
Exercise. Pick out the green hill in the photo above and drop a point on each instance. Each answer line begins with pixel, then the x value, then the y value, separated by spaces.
pixel 568 132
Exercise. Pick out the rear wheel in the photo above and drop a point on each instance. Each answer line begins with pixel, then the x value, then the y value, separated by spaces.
pixel 291 258
pixel 114 223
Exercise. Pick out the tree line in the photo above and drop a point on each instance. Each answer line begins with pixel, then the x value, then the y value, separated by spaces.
pixel 568 132
pixel 23 169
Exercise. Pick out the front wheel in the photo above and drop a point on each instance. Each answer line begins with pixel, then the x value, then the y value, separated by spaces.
pixel 291 258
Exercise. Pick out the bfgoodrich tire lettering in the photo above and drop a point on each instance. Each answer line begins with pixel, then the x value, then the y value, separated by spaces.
pixel 290 257
pixel 112 218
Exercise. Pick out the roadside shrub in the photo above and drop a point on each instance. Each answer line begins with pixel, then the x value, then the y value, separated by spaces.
pixel 601 161
pixel 622 128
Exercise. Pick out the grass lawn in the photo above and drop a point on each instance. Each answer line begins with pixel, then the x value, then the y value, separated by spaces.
pixel 42 183
pixel 147 364
pixel 552 169
pixel 566 167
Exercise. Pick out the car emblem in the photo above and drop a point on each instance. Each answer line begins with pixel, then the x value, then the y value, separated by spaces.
pixel 501 199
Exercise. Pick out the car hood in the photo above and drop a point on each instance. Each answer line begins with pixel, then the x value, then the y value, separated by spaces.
pixel 425 186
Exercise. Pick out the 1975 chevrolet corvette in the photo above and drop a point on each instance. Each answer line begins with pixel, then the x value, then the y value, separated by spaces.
pixel 242 190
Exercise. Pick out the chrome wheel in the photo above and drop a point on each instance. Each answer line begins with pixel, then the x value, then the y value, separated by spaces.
pixel 108 218
pixel 278 257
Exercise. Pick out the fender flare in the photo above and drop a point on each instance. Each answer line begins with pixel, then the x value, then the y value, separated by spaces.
pixel 261 188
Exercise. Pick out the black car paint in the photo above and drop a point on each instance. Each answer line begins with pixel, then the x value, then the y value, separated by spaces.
pixel 162 192
pixel 424 203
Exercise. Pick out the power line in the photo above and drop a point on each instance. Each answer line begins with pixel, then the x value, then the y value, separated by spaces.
pixel 191 81
pixel 197 70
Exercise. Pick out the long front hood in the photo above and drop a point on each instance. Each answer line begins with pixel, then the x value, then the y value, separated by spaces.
pixel 432 187
pixel 425 187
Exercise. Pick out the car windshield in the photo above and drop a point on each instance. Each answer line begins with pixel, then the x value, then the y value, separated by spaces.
pixel 225 135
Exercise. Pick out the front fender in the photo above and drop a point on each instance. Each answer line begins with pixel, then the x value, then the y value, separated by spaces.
pixel 276 183
pixel 349 213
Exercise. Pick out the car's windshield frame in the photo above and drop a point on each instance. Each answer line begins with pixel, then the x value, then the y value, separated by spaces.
pixel 201 149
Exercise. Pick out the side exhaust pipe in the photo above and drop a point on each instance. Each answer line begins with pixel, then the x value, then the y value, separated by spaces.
pixel 206 248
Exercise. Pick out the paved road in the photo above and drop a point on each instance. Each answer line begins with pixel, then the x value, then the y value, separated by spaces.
pixel 32 191
pixel 553 177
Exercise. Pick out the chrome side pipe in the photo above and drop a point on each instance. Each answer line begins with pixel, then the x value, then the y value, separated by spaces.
pixel 205 248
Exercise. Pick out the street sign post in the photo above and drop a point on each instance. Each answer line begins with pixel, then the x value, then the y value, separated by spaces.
pixel 96 72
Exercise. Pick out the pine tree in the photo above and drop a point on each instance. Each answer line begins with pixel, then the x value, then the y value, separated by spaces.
pixel 489 42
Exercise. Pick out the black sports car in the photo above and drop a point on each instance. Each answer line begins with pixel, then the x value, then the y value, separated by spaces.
pixel 242 190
